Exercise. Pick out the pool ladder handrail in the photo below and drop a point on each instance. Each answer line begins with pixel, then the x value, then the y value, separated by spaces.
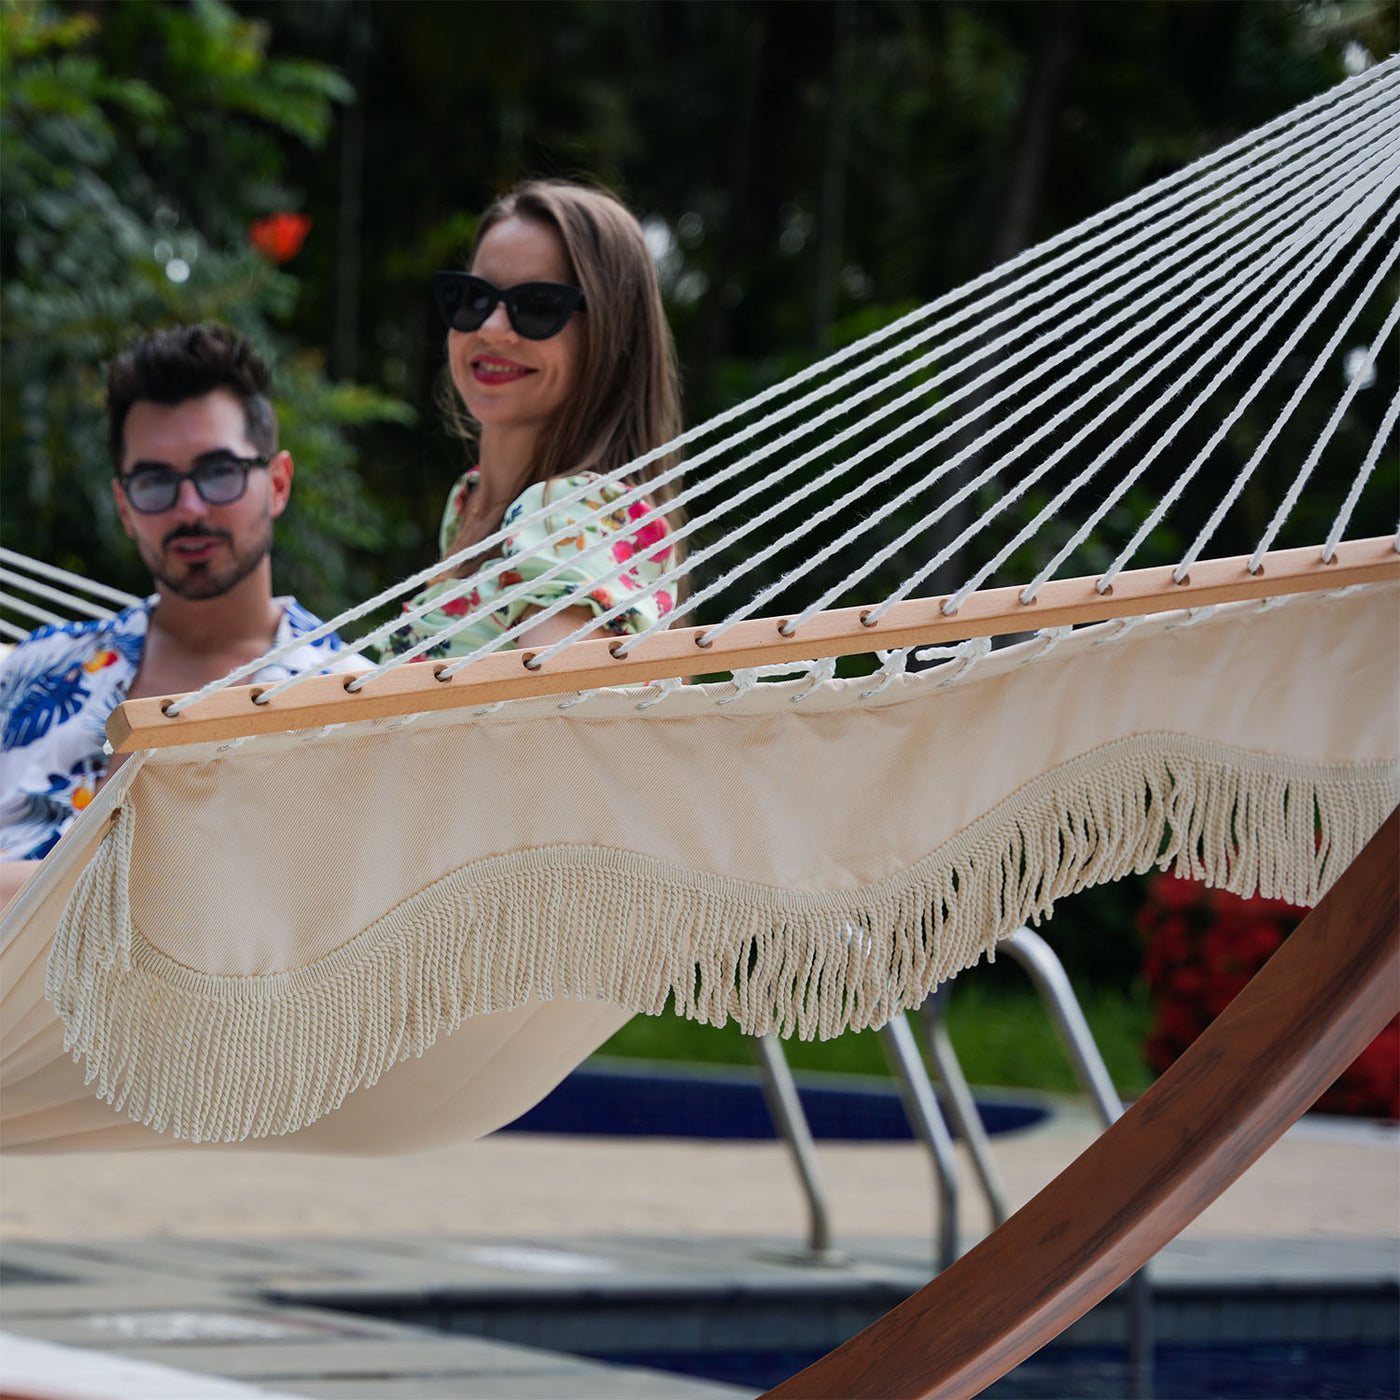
pixel 925 1108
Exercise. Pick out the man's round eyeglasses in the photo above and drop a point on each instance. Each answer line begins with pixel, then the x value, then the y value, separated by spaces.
pixel 220 479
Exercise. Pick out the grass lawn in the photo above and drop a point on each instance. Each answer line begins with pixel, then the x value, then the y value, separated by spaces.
pixel 1002 1035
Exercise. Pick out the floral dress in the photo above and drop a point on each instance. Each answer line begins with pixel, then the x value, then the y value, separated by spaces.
pixel 586 550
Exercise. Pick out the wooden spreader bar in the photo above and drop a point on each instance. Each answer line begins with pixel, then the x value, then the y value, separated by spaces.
pixel 507 675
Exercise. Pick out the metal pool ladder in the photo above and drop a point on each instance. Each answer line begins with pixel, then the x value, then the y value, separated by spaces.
pixel 926 1117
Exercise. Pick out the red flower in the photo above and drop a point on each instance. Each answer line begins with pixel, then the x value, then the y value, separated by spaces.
pixel 279 236
pixel 1172 892
pixel 1201 947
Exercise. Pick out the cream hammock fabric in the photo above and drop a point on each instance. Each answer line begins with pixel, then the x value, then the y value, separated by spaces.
pixel 504 879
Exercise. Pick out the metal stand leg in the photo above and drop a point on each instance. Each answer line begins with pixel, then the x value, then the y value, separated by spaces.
pixel 902 1051
pixel 1048 974
pixel 780 1092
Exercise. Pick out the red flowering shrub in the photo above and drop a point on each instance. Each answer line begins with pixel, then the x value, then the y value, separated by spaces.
pixel 1202 946
pixel 279 236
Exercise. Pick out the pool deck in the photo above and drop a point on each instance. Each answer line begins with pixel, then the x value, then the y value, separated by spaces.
pixel 225 1266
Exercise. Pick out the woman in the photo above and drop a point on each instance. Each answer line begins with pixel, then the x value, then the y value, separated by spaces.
pixel 562 368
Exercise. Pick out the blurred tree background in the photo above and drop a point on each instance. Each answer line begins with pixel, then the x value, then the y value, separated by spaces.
pixel 806 170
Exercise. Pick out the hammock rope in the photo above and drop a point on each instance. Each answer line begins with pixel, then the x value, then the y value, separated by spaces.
pixel 1311 119
pixel 1373 456
pixel 1188 277
pixel 1306 383
pixel 1157 514
pixel 78 595
pixel 1045 351
pixel 1355 383
pixel 1085 367
pixel 1126 482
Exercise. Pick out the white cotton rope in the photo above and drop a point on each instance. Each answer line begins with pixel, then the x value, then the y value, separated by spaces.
pixel 943 469
pixel 25 609
pixel 1016 313
pixel 701 596
pixel 1316 368
pixel 1302 240
pixel 70 580
pixel 892 664
pixel 565 602
pixel 1295 489
pixel 1125 482
pixel 466 584
pixel 1329 549
pixel 1044 365
pixel 1017 490
pixel 1106 579
pixel 1184 478
pixel 637 493
pixel 53 595
pixel 1336 131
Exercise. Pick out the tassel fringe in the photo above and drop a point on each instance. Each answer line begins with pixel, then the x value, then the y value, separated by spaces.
pixel 227 1058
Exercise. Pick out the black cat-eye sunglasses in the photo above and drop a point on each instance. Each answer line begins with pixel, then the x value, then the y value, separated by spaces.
pixel 537 310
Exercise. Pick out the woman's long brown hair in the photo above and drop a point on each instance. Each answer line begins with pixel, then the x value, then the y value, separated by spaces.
pixel 626 400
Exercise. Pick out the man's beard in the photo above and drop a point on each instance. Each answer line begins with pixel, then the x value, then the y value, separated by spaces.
pixel 203 579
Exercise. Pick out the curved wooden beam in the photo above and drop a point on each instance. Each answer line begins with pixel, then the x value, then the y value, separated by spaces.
pixel 1304 1017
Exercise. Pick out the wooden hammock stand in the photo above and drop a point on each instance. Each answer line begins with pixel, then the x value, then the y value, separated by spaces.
pixel 1312 1008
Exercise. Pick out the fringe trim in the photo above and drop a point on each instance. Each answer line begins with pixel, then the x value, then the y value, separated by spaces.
pixel 227 1058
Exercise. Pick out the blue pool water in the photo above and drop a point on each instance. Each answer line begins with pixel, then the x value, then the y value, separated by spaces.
pixel 727 1102
pixel 1233 1372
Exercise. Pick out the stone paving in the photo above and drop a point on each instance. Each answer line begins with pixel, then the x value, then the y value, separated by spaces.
pixel 265 1270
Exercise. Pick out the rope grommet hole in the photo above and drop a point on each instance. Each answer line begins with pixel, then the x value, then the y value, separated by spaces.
pixel 616 652
pixel 703 643
pixel 1106 592
pixel 256 696
pixel 868 620
pixel 786 629
pixel 165 708
pixel 530 662
pixel 439 672
pixel 1183 582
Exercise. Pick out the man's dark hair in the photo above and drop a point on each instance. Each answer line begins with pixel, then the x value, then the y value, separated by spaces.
pixel 187 362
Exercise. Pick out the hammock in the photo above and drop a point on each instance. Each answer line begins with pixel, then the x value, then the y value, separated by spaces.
pixel 26 585
pixel 522 848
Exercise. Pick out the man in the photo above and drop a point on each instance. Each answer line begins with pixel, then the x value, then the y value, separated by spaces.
pixel 199 481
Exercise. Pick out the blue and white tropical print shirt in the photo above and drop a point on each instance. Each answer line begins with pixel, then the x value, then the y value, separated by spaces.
pixel 58 687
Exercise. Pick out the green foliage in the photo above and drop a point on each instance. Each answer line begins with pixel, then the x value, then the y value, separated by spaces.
pixel 1003 1037
pixel 135 149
